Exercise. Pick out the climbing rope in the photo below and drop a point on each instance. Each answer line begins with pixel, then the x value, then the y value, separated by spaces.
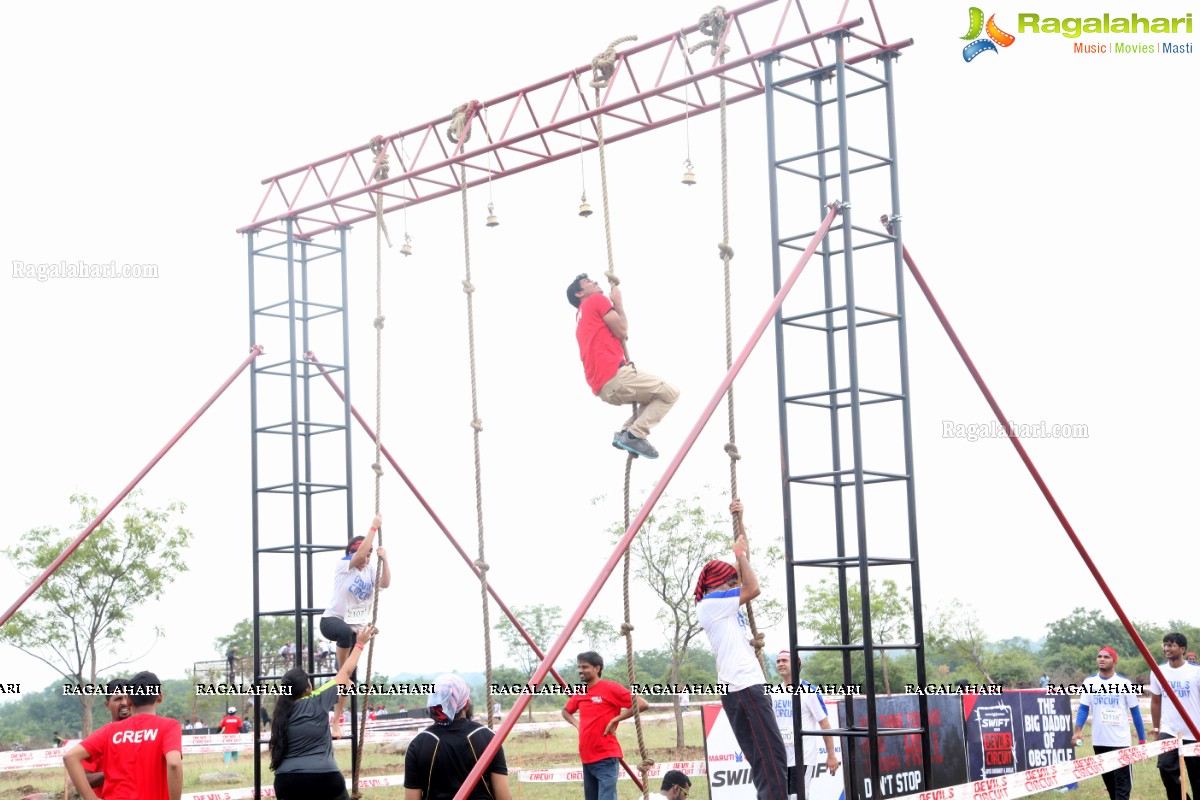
pixel 603 66
pixel 713 25
pixel 380 173
pixel 459 124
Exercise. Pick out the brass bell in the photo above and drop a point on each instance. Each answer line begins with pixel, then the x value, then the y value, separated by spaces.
pixel 406 249
pixel 585 210
pixel 492 221
pixel 689 178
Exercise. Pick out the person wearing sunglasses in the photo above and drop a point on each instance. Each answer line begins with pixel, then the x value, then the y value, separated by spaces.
pixel 675 785
pixel 601 329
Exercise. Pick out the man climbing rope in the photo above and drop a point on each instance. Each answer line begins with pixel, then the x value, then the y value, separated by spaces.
pixel 601 329
pixel 721 590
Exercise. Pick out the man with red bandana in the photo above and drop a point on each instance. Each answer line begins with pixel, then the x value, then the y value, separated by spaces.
pixel 1110 699
pixel 721 591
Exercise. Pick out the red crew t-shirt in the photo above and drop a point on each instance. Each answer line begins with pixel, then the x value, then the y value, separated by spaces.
pixel 133 753
pixel 600 351
pixel 603 701
pixel 231 724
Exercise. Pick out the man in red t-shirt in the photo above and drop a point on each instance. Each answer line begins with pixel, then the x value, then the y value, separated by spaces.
pixel 232 723
pixel 600 709
pixel 601 330
pixel 119 708
pixel 141 756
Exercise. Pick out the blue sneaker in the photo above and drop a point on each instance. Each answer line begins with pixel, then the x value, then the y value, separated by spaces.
pixel 617 437
pixel 639 447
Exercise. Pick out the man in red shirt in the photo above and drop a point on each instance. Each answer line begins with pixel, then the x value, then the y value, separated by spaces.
pixel 119 708
pixel 601 330
pixel 141 756
pixel 600 709
pixel 232 723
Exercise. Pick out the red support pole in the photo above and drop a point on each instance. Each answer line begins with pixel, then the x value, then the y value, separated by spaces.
pixel 255 352
pixel 660 486
pixel 1041 484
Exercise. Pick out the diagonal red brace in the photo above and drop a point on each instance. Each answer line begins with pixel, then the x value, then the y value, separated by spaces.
pixel 255 352
pixel 1041 484
pixel 659 487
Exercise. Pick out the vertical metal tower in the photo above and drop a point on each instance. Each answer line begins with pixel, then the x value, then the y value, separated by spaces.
pixel 300 452
pixel 846 447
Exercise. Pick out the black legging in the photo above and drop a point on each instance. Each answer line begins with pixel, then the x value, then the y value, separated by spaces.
pixel 310 786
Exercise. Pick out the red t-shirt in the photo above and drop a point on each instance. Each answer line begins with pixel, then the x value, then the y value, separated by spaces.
pixel 600 351
pixel 231 724
pixel 133 755
pixel 603 701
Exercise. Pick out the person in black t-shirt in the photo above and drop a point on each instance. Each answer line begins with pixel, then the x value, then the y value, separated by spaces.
pixel 443 755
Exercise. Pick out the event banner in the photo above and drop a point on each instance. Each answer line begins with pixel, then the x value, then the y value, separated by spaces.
pixel 729 772
pixel 1016 730
pixel 900 756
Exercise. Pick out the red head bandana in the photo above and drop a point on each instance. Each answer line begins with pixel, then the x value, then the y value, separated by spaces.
pixel 1110 651
pixel 713 575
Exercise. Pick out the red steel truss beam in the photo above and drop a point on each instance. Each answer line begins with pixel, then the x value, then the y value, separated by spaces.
pixel 660 486
pixel 654 84
pixel 255 352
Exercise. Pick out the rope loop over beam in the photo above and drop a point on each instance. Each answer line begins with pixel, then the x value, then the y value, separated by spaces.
pixel 459 129
pixel 713 25
pixel 604 64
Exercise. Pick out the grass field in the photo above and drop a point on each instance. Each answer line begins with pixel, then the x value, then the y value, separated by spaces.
pixel 556 748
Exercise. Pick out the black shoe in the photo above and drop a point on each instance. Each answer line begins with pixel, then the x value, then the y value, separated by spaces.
pixel 617 437
pixel 639 447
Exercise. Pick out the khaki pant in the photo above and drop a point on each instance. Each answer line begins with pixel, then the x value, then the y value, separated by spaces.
pixel 653 395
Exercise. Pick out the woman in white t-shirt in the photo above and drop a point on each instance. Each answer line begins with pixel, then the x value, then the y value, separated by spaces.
pixel 350 607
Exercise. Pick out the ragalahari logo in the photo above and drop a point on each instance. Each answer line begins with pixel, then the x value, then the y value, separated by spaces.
pixel 995 36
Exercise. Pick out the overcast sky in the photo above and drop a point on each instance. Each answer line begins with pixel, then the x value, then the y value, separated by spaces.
pixel 1046 195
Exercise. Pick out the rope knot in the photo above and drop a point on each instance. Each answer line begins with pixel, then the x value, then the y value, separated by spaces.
pixel 379 322
pixel 713 26
pixel 605 63
pixel 759 641
pixel 725 251
pixel 613 280
pixel 477 424
pixel 378 469
pixel 626 628
pixel 379 150
pixel 458 121
pixel 732 451
pixel 645 765
pixel 482 565
pixel 468 287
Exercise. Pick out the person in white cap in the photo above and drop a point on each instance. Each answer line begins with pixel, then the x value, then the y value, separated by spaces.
pixel 231 723
pixel 441 757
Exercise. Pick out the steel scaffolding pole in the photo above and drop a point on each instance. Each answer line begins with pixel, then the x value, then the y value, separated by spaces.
pixel 835 162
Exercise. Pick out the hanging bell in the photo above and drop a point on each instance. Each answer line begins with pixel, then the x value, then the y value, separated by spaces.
pixel 585 210
pixel 406 248
pixel 492 221
pixel 689 177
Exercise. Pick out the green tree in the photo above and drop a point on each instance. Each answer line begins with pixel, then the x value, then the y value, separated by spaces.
pixel 543 624
pixel 273 633
pixel 891 616
pixel 79 615
pixel 955 638
pixel 668 553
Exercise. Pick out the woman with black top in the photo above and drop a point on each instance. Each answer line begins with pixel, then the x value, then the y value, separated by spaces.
pixel 301 745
